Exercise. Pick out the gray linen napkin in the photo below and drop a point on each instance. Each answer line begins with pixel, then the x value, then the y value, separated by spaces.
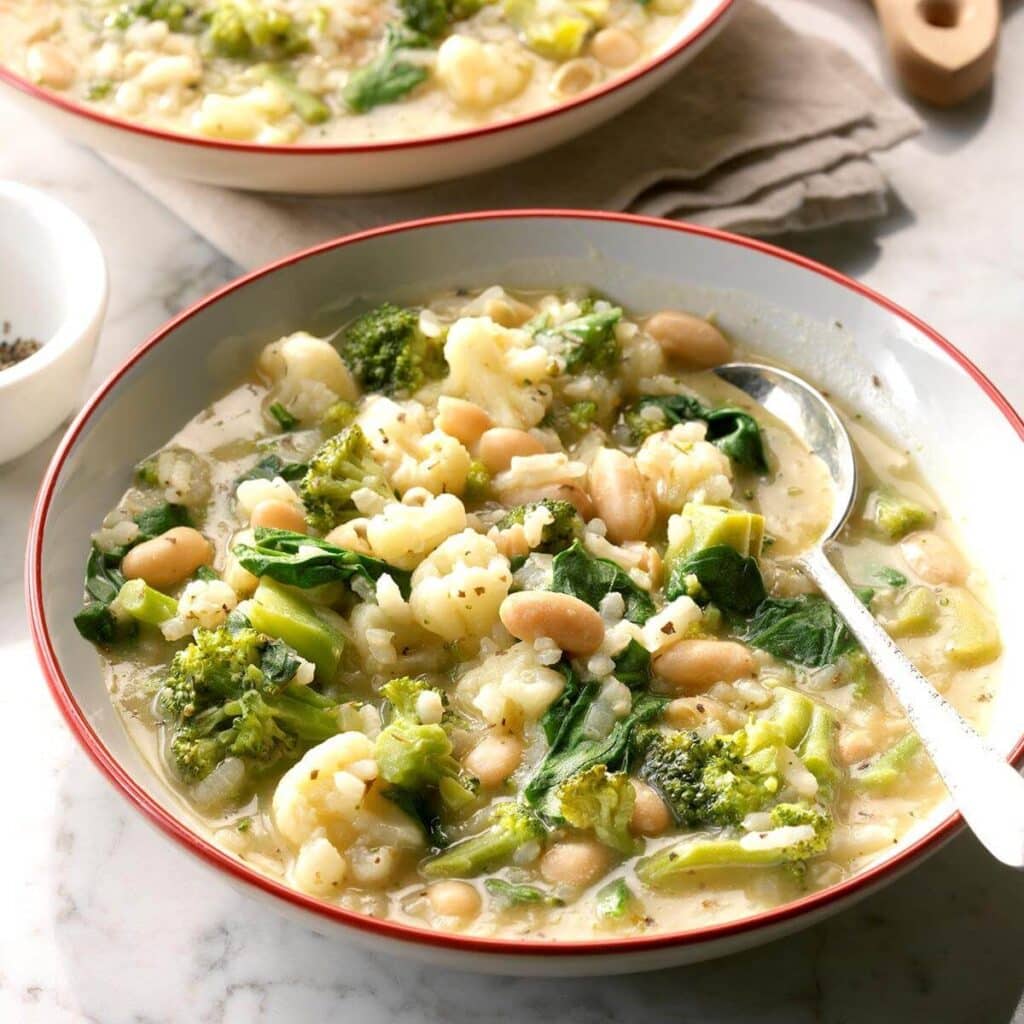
pixel 766 131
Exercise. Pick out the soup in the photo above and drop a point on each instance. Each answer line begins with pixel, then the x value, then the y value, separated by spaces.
pixel 482 616
pixel 300 72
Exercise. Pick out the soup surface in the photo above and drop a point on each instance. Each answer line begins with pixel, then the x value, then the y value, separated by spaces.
pixel 300 71
pixel 480 616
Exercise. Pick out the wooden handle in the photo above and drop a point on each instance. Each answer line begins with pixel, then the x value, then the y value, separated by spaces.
pixel 944 50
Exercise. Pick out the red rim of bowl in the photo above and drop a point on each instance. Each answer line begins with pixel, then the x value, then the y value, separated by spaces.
pixel 205 850
pixel 711 21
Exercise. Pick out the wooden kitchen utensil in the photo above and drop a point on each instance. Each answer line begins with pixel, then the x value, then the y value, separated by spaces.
pixel 944 50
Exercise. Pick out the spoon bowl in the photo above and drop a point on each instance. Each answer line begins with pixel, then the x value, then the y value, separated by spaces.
pixel 988 792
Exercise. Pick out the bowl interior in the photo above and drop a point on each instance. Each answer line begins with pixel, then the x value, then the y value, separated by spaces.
pixel 858 349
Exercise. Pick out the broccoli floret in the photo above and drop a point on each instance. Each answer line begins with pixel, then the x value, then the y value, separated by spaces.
pixel 249 31
pixel 895 517
pixel 387 77
pixel 562 532
pixel 173 12
pixel 716 781
pixel 388 352
pixel 588 342
pixel 342 465
pixel 511 827
pixel 751 850
pixel 218 665
pixel 600 800
pixel 427 16
pixel 229 694
pixel 413 755
pixel 337 418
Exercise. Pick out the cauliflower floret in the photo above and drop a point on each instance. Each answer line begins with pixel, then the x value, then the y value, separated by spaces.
pixel 528 473
pixel 184 475
pixel 457 590
pixel 307 376
pixel 511 687
pixel 407 531
pixel 412 453
pixel 481 75
pixel 500 369
pixel 388 638
pixel 240 117
pixel 250 493
pixel 681 466
pixel 327 804
pixel 205 603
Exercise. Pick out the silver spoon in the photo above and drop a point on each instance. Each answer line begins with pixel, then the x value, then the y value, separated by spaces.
pixel 985 788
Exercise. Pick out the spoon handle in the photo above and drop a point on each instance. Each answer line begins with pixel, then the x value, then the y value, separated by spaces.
pixel 985 788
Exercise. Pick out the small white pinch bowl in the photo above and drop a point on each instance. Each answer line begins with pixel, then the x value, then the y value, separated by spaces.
pixel 53 288
pixel 866 351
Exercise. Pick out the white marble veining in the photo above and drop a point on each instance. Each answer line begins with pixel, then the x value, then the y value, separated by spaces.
pixel 102 920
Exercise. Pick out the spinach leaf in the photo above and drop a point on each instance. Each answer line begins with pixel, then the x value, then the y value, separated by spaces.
pixel 278 662
pixel 300 561
pixel 633 666
pixel 103 580
pixel 806 630
pixel 732 430
pixel 552 719
pixel 159 519
pixel 271 466
pixel 582 575
pixel 891 577
pixel 730 580
pixel 506 894
pixel 574 749
pixel 423 808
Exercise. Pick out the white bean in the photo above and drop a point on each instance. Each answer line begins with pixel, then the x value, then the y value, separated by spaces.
pixel 615 47
pixel 621 496
pixel 500 445
pixel 48 66
pixel 650 815
pixel 463 420
pixel 454 899
pixel 575 862
pixel 494 759
pixel 933 558
pixel 571 623
pixel 689 339
pixel 691 666
pixel 168 559
pixel 278 515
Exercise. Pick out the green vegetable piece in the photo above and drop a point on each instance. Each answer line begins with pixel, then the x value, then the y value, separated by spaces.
pixel 506 895
pixel 581 575
pixel 285 615
pixel 306 562
pixel 974 637
pixel 342 465
pixel 556 30
pixel 152 522
pixel 817 751
pixel 429 17
pixel 285 420
pixel 250 31
pixel 478 484
pixel 562 532
pixel 723 576
pixel 889 576
pixel 602 801
pixel 415 756
pixel 588 341
pixel 339 416
pixel 916 614
pixel 96 623
pixel 173 12
pixel 805 629
pixel 895 517
pixel 732 430
pixel 633 666
pixel 615 901
pixel 383 80
pixel 791 713
pixel 890 767
pixel 712 526
pixel 144 604
pixel 271 466
pixel 574 749
pixel 671 863
pixel 511 827
pixel 310 108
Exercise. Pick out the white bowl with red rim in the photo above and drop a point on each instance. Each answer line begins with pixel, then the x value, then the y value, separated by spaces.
pixel 370 166
pixel 856 344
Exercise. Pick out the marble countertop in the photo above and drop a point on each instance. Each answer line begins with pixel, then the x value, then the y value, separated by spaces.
pixel 104 921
